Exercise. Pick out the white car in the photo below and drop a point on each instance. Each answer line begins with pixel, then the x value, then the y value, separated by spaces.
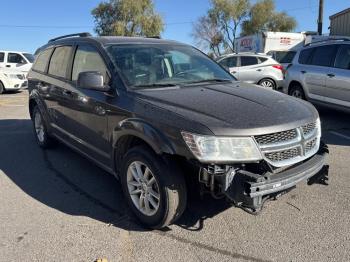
pixel 12 80
pixel 20 61
pixel 254 68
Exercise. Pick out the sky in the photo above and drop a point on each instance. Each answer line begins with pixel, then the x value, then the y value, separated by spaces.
pixel 26 25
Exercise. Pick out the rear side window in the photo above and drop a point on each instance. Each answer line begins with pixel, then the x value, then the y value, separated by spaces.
pixel 59 61
pixel 88 59
pixel 262 59
pixel 343 58
pixel 324 55
pixel 2 56
pixel 305 56
pixel 288 57
pixel 42 60
pixel 229 62
pixel 15 58
pixel 248 60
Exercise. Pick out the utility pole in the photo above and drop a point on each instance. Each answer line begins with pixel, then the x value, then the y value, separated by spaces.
pixel 320 17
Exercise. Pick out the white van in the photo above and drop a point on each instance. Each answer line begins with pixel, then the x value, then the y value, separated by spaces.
pixel 12 80
pixel 20 61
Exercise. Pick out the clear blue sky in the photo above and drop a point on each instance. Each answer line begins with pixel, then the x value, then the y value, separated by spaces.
pixel 54 18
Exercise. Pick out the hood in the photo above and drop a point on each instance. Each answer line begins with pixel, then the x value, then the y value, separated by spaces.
pixel 10 71
pixel 233 108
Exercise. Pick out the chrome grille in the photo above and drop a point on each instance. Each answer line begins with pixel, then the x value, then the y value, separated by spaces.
pixel 289 147
pixel 276 137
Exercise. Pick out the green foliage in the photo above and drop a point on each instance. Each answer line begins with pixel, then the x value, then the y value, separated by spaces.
pixel 263 17
pixel 127 18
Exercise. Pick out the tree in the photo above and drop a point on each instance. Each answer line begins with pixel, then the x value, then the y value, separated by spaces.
pixel 263 17
pixel 228 15
pixel 207 35
pixel 127 18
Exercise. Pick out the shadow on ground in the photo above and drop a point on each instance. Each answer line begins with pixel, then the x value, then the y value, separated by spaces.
pixel 63 180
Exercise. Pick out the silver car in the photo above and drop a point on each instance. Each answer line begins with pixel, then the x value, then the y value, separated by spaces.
pixel 320 73
pixel 254 69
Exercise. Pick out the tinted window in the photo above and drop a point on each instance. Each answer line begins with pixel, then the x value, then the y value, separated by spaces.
pixel 59 61
pixel 305 56
pixel 42 60
pixel 248 60
pixel 343 57
pixel 262 59
pixel 324 55
pixel 15 58
pixel 88 59
pixel 30 57
pixel 287 58
pixel 229 62
pixel 2 56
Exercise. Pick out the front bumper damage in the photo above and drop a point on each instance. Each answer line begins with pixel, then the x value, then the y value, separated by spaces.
pixel 250 190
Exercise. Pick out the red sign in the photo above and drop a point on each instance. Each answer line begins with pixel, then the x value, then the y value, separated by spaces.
pixel 246 42
pixel 285 41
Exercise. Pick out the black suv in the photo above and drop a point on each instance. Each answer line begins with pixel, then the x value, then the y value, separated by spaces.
pixel 154 112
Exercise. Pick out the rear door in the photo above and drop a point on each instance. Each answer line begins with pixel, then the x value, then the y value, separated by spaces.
pixel 315 73
pixel 249 70
pixel 338 78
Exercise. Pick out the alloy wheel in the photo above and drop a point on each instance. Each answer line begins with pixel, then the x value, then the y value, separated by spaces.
pixel 39 127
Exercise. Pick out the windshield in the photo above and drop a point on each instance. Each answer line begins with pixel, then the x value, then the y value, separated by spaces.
pixel 152 65
pixel 30 57
pixel 284 57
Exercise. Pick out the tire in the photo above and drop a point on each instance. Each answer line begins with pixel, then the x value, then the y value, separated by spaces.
pixel 2 88
pixel 268 83
pixel 40 130
pixel 297 91
pixel 162 188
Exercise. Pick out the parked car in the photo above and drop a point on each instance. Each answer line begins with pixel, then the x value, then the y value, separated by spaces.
pixel 254 68
pixel 20 61
pixel 152 112
pixel 283 57
pixel 11 80
pixel 320 73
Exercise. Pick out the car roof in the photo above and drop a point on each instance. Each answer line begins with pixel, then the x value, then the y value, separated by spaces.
pixel 244 54
pixel 11 51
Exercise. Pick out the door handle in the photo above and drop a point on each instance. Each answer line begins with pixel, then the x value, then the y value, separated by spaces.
pixel 259 70
pixel 331 75
pixel 8 65
pixel 233 72
pixel 303 72
pixel 67 92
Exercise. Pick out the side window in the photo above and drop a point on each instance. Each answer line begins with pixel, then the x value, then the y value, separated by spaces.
pixel 42 60
pixel 343 58
pixel 248 60
pixel 59 61
pixel 262 59
pixel 2 56
pixel 229 62
pixel 15 58
pixel 324 55
pixel 88 59
pixel 305 56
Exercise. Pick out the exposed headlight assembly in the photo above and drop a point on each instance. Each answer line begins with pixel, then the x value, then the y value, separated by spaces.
pixel 222 149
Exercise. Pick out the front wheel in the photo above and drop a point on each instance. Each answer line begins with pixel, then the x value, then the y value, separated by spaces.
pixel 2 88
pixel 40 130
pixel 155 191
pixel 297 91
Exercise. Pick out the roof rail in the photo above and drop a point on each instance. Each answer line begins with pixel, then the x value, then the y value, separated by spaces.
pixel 344 39
pixel 71 35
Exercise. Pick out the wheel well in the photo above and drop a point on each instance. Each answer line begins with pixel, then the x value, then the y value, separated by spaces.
pixel 32 104
pixel 294 83
pixel 124 144
pixel 1 83
pixel 268 78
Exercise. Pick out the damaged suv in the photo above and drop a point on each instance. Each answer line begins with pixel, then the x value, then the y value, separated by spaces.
pixel 152 112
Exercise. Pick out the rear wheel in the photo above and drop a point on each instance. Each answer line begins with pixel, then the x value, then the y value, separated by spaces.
pixel 2 88
pixel 297 91
pixel 154 189
pixel 40 130
pixel 268 83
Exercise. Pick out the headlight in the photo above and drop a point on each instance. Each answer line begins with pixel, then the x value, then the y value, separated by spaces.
pixel 222 149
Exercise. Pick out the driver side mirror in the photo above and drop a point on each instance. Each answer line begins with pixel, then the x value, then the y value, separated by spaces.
pixel 92 80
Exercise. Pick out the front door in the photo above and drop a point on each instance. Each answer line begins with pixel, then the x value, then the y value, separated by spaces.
pixel 17 61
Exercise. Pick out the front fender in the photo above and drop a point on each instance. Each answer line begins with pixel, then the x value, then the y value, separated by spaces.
pixel 145 131
pixel 34 97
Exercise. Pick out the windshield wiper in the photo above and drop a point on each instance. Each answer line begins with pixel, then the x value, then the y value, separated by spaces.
pixel 216 80
pixel 155 85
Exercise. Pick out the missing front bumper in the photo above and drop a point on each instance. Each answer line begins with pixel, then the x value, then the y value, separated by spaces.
pixel 249 191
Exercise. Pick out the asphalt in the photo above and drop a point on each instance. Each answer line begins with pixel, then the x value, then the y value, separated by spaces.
pixel 57 206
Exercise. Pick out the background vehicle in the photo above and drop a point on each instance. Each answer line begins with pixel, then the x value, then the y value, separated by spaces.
pixel 152 111
pixel 320 73
pixel 285 58
pixel 11 80
pixel 254 68
pixel 20 61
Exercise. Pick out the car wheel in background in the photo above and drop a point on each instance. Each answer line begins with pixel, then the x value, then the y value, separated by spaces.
pixel 297 91
pixel 2 88
pixel 155 190
pixel 268 83
pixel 40 129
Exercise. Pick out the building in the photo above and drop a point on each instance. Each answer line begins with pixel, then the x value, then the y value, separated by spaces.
pixel 340 23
